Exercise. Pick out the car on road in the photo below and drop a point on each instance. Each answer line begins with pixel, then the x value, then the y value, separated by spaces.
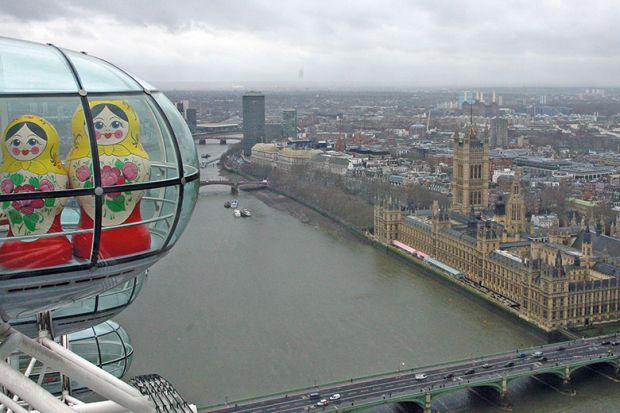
pixel 522 355
pixel 615 343
pixel 509 364
pixel 561 348
pixel 605 343
pixel 420 376
pixel 322 402
pixel 470 371
pixel 314 395
pixel 448 376
pixel 537 354
pixel 335 396
pixel 543 359
pixel 487 366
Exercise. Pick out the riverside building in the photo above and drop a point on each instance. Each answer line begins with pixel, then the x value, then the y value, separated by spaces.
pixel 562 278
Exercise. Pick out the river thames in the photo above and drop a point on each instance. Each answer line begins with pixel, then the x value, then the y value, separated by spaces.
pixel 247 307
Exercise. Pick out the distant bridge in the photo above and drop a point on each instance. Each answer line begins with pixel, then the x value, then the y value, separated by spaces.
pixel 423 385
pixel 202 137
pixel 235 185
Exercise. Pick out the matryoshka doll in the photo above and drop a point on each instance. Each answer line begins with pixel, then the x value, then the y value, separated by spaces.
pixel 122 161
pixel 31 164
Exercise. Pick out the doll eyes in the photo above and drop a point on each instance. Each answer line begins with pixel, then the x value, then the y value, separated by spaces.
pixel 115 125
pixel 32 141
pixel 16 142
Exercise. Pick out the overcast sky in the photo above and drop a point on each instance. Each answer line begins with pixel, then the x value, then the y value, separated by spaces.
pixel 392 42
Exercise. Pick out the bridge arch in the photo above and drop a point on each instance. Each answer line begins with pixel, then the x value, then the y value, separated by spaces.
pixel 559 373
pixel 604 362
pixel 407 400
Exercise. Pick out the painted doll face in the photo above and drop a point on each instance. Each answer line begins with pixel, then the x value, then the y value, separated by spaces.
pixel 109 128
pixel 25 145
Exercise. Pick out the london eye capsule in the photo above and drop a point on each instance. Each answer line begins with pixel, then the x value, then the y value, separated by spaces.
pixel 82 138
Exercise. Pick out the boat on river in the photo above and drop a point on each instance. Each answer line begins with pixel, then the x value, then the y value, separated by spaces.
pixel 227 204
pixel 234 203
pixel 246 213
pixel 236 213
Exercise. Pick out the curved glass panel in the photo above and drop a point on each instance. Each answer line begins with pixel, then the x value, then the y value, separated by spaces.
pixel 84 312
pixel 37 137
pixel 35 237
pixel 49 206
pixel 84 306
pixel 31 67
pixel 136 222
pixel 116 297
pixel 144 84
pixel 190 194
pixel 83 344
pixel 99 76
pixel 106 345
pixel 133 142
pixel 184 137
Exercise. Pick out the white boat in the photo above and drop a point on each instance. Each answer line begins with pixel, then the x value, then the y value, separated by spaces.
pixel 234 203
pixel 246 213
pixel 236 213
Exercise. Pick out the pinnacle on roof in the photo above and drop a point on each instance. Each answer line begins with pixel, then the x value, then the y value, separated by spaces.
pixel 558 259
pixel 587 238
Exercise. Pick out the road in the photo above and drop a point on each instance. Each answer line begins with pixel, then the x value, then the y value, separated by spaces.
pixel 399 384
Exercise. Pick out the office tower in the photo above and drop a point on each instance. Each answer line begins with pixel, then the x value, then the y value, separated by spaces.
pixel 499 132
pixel 289 124
pixel 182 106
pixel 253 120
pixel 191 118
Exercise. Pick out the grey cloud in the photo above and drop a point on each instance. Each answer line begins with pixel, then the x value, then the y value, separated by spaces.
pixel 476 40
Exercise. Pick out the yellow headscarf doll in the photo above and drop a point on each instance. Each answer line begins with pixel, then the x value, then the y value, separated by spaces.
pixel 123 161
pixel 30 143
pixel 31 164
pixel 120 141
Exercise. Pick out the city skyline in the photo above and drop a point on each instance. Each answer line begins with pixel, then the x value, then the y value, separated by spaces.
pixel 257 43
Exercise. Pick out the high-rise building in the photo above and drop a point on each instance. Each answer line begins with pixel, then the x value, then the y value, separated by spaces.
pixel 289 124
pixel 182 106
pixel 253 120
pixel 191 118
pixel 470 171
pixel 499 132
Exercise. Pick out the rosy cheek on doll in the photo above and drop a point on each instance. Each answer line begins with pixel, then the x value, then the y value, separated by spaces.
pixel 118 134
pixel 35 150
pixel 97 134
pixel 15 151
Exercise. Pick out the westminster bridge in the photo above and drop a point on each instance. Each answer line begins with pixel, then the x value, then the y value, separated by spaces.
pixel 423 385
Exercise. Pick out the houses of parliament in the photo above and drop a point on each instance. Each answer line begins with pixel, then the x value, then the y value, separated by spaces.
pixel 560 277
